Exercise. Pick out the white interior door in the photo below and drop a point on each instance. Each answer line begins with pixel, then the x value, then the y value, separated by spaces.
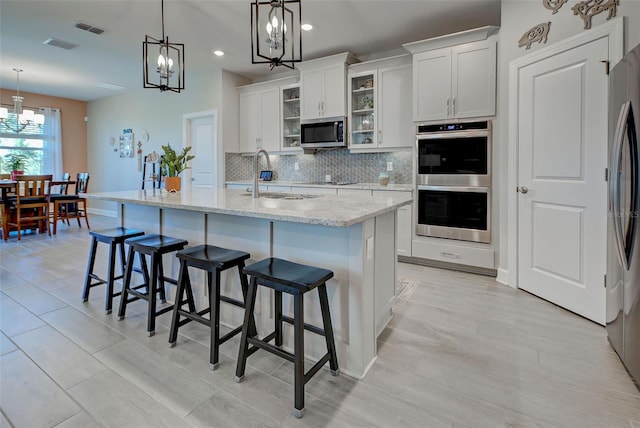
pixel 201 136
pixel 562 156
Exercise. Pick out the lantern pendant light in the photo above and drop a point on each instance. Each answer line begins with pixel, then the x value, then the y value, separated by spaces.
pixel 275 32
pixel 166 70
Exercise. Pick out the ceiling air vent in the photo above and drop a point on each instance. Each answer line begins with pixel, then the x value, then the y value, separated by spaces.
pixel 59 44
pixel 89 28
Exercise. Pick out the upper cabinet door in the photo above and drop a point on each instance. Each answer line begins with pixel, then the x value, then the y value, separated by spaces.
pixel 394 117
pixel 251 121
pixel 310 93
pixel 432 85
pixel 334 78
pixel 270 116
pixel 474 79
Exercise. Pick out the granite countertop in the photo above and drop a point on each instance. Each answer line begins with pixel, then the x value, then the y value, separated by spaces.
pixel 358 186
pixel 325 210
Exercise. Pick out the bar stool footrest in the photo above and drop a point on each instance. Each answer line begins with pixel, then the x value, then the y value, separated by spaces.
pixel 309 327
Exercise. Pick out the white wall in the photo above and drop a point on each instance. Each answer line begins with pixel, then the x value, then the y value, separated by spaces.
pixel 518 16
pixel 158 113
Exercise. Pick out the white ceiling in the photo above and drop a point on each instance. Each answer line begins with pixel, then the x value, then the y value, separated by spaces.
pixel 363 27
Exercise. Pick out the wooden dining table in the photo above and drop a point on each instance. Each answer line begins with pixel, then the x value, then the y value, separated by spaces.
pixel 7 186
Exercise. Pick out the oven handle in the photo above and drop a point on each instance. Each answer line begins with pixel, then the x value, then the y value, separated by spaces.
pixel 467 189
pixel 453 134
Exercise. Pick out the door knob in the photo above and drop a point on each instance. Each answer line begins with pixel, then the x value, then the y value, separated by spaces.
pixel 523 189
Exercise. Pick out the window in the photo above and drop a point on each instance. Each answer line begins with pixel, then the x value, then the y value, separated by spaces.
pixel 30 142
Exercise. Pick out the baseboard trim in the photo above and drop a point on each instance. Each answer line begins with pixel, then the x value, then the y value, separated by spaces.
pixel 503 277
pixel 448 265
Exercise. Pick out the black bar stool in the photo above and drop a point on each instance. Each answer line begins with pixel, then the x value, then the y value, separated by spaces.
pixel 213 260
pixel 294 279
pixel 154 246
pixel 115 238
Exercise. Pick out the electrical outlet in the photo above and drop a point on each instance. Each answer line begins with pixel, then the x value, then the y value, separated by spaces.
pixel 389 166
pixel 296 166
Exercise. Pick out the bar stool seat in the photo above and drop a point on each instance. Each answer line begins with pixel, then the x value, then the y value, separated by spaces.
pixel 213 260
pixel 295 279
pixel 154 246
pixel 114 237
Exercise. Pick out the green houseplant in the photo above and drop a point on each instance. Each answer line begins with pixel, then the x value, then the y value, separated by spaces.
pixel 172 164
pixel 17 162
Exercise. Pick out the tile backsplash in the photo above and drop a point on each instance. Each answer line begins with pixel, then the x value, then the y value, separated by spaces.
pixel 339 163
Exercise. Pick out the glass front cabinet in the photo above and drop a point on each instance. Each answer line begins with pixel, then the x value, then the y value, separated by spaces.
pixel 291 118
pixel 362 110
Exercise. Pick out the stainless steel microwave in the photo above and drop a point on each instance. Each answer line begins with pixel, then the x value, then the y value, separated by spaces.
pixel 323 133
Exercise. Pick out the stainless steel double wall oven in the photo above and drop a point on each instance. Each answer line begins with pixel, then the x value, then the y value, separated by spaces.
pixel 454 180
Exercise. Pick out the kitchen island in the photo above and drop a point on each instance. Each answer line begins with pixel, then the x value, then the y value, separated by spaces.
pixel 354 237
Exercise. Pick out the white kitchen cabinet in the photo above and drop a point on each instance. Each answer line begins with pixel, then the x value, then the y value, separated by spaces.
pixel 379 105
pixel 262 112
pixel 290 114
pixel 316 190
pixel 323 85
pixel 455 80
pixel 260 120
pixel 404 223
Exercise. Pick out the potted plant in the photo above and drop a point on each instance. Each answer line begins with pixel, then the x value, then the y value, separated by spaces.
pixel 172 165
pixel 17 161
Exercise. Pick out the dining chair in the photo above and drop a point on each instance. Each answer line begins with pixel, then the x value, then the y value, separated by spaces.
pixel 61 194
pixel 72 206
pixel 29 207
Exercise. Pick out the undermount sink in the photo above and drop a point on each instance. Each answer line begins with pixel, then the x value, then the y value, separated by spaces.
pixel 278 195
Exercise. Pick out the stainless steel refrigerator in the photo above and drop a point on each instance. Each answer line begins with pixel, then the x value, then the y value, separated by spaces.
pixel 623 236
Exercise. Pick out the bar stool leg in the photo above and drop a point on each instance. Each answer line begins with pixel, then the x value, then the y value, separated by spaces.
pixel 92 260
pixel 244 343
pixel 175 320
pixel 328 330
pixel 253 331
pixel 278 317
pixel 161 287
pixel 298 359
pixel 126 284
pixel 123 260
pixel 111 273
pixel 214 317
pixel 190 300
pixel 152 290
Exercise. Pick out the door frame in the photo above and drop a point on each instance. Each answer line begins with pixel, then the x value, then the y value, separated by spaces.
pixel 186 139
pixel 614 30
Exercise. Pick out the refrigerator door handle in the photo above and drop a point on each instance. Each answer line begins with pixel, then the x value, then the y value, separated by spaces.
pixel 614 184
pixel 632 136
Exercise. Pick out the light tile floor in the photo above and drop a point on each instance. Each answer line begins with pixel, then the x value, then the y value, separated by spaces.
pixel 461 350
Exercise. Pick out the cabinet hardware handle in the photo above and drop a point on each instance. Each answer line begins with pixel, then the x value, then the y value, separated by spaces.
pixel 448 106
pixel 524 189
pixel 379 136
pixel 452 255
pixel 454 106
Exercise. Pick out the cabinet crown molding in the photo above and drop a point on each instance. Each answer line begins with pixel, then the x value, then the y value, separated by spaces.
pixel 345 57
pixel 468 36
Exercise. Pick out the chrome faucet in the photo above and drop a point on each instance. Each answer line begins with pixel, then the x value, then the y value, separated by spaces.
pixel 255 191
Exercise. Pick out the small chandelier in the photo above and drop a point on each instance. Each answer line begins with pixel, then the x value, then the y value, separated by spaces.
pixel 169 64
pixel 275 32
pixel 21 118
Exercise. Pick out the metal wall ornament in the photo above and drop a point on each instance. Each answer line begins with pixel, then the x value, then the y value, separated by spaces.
pixel 169 62
pixel 589 8
pixel 553 5
pixel 538 34
pixel 276 38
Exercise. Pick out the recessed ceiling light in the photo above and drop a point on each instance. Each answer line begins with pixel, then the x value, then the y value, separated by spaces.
pixel 218 53
pixel 306 27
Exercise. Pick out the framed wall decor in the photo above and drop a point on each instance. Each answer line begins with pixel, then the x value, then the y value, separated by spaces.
pixel 126 143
